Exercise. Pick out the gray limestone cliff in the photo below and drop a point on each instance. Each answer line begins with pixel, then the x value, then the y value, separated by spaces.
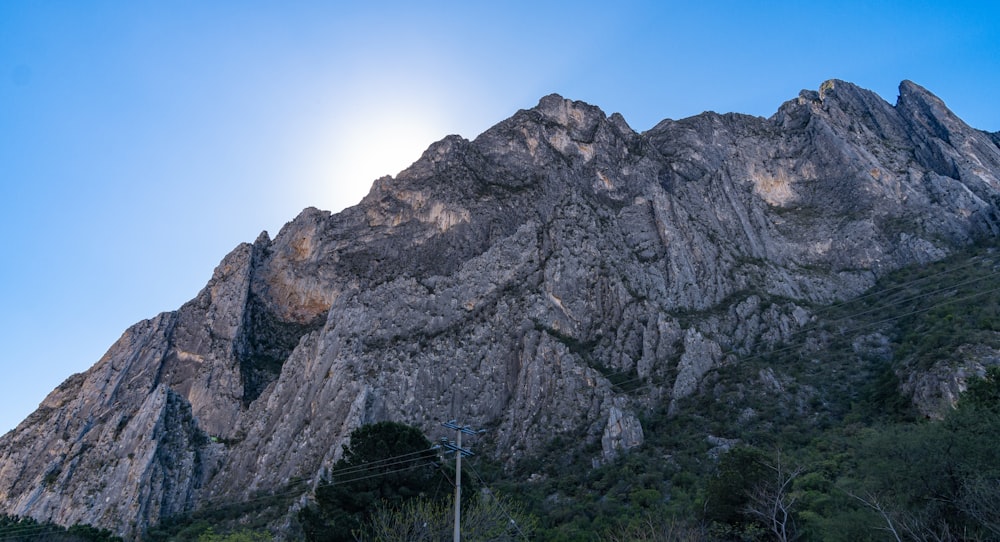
pixel 513 282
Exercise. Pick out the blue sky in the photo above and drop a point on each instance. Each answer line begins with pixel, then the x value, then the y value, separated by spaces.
pixel 141 141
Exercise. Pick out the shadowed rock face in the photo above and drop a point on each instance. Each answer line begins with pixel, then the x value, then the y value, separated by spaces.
pixel 504 281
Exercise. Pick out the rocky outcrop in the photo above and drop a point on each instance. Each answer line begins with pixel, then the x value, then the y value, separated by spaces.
pixel 935 390
pixel 552 278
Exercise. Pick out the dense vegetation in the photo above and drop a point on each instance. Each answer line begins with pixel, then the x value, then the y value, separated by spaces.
pixel 385 464
pixel 815 439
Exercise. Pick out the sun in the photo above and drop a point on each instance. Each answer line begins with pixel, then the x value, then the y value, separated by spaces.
pixel 389 141
pixel 374 138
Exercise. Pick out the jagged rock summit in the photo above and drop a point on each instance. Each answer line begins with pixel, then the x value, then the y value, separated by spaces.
pixel 503 281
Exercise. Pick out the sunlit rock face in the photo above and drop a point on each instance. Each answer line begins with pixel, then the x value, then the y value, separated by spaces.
pixel 506 282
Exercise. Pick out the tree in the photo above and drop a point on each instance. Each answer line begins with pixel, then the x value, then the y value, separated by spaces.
pixel 245 535
pixel 876 504
pixel 979 409
pixel 979 501
pixel 386 463
pixel 654 528
pixel 983 393
pixel 486 518
pixel 727 493
pixel 933 479
pixel 772 501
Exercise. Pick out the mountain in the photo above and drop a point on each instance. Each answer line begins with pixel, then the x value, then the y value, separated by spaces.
pixel 549 281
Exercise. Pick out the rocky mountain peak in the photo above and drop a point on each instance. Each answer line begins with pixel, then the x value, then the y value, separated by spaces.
pixel 914 98
pixel 578 118
pixel 553 278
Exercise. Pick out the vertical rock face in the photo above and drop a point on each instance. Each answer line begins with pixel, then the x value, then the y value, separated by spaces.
pixel 508 282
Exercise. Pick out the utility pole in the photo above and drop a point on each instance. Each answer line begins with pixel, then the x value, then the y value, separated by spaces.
pixel 459 452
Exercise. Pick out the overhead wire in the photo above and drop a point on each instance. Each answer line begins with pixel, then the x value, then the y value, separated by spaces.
pixel 357 469
pixel 40 529
pixel 31 531
pixel 389 461
pixel 498 501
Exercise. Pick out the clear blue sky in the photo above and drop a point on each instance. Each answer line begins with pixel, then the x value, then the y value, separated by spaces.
pixel 141 141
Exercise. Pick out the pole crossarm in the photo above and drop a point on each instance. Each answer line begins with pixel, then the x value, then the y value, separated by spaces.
pixel 453 424
pixel 452 447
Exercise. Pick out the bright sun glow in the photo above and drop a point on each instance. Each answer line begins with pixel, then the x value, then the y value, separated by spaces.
pixel 371 138
pixel 387 143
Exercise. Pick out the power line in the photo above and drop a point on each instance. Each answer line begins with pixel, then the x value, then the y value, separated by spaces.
pixel 40 529
pixel 30 531
pixel 385 462
pixel 499 503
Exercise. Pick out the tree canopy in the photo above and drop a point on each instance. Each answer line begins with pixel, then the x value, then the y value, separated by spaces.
pixel 386 463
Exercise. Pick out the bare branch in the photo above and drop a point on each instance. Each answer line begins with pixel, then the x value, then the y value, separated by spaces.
pixel 873 502
pixel 772 500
